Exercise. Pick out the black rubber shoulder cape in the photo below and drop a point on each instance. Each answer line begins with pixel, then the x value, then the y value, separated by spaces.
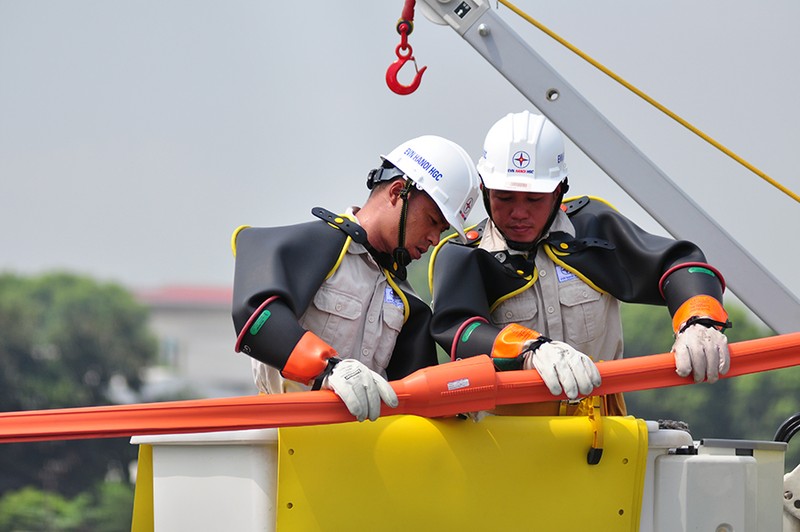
pixel 292 262
pixel 624 260
pixel 466 283
pixel 608 250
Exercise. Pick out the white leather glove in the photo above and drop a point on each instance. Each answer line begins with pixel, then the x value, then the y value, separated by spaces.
pixel 360 388
pixel 702 351
pixel 563 368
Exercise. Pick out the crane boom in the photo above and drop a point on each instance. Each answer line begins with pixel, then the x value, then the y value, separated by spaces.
pixel 667 203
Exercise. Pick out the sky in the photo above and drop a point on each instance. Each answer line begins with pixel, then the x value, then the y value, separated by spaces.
pixel 135 136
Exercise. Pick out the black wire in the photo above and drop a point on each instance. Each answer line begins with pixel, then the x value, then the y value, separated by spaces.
pixel 788 428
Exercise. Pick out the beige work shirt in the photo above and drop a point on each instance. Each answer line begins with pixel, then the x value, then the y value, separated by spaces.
pixel 355 311
pixel 560 305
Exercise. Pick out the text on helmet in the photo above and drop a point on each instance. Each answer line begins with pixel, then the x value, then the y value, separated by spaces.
pixel 423 163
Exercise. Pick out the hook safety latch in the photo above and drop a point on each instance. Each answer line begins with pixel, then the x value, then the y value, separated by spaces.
pixel 404 55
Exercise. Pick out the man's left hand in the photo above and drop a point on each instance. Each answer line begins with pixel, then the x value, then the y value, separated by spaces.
pixel 701 351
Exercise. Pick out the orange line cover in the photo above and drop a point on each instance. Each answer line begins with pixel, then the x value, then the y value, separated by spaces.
pixel 448 389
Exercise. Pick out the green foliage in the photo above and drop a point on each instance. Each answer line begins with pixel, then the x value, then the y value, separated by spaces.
pixel 106 509
pixel 748 407
pixel 31 509
pixel 112 510
pixel 62 338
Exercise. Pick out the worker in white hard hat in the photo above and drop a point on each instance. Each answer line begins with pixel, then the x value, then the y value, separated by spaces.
pixel 538 284
pixel 326 303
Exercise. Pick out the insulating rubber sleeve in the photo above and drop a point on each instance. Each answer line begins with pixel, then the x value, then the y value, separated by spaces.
pixel 686 282
pixel 272 335
pixel 477 338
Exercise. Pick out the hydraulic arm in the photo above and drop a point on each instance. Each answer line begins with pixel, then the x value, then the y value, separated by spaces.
pixel 670 206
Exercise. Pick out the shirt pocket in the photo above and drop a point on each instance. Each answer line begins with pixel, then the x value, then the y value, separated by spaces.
pixel 393 319
pixel 582 312
pixel 520 309
pixel 334 317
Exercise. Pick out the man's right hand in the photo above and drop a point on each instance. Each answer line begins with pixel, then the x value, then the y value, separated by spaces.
pixel 360 388
pixel 563 368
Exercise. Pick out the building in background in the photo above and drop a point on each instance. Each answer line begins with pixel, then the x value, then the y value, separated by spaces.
pixel 195 337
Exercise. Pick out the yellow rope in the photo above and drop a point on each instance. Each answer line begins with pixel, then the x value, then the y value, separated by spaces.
pixel 650 100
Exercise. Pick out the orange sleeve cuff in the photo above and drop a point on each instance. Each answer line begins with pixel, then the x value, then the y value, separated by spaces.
pixel 700 306
pixel 510 340
pixel 308 359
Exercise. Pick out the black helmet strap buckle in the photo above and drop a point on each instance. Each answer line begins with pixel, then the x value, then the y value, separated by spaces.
pixel 386 172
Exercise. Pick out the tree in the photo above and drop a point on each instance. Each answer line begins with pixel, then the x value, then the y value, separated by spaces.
pixel 62 338
pixel 108 508
pixel 32 509
pixel 747 407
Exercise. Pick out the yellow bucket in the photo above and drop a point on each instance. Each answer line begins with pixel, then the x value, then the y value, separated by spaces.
pixel 503 473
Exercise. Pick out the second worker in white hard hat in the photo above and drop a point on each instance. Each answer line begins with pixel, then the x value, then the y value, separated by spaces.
pixel 326 302
pixel 538 284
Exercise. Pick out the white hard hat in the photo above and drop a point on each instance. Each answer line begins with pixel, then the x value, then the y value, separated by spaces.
pixel 444 171
pixel 523 152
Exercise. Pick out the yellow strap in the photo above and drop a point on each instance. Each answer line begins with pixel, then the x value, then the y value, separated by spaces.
pixel 554 256
pixel 531 281
pixel 234 235
pixel 343 252
pixel 649 100
pixel 399 292
pixel 435 252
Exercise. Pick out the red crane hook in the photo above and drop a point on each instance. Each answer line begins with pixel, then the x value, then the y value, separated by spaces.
pixel 404 54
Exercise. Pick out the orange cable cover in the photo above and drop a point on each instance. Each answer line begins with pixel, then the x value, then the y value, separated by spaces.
pixel 448 389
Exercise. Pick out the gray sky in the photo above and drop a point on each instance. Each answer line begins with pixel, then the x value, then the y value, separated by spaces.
pixel 136 136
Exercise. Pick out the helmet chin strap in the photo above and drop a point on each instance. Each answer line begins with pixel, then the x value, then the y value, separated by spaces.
pixel 400 256
pixel 516 245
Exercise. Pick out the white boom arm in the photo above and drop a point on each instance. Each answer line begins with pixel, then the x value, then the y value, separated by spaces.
pixel 501 46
